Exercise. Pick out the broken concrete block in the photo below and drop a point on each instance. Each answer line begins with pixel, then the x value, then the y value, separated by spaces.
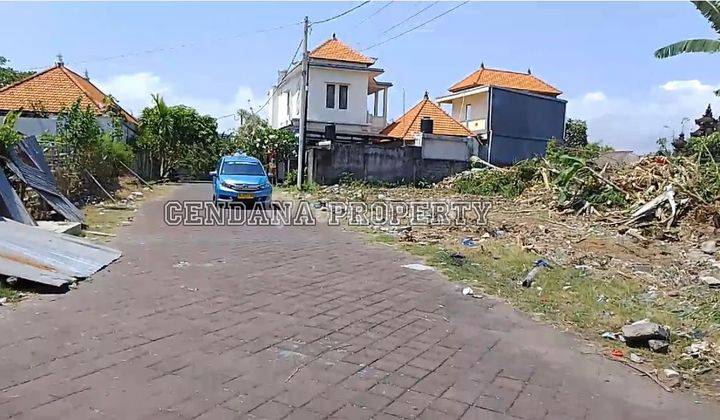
pixel 638 333
pixel 659 346
pixel 68 228
pixel 710 281
pixel 709 247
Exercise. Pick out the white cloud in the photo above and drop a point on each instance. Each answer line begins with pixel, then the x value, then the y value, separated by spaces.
pixel 594 97
pixel 133 93
pixel 629 123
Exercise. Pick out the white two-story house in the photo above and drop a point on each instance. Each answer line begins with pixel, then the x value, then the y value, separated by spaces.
pixel 342 91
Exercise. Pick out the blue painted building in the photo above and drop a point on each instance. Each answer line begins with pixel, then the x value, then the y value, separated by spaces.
pixel 513 114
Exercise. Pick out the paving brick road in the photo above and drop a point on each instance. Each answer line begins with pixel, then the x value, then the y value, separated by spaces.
pixel 296 323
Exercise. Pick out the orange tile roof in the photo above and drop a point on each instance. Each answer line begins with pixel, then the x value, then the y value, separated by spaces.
pixel 334 49
pixel 408 125
pixel 52 90
pixel 504 78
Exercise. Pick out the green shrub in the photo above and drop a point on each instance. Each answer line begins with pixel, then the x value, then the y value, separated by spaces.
pixel 508 183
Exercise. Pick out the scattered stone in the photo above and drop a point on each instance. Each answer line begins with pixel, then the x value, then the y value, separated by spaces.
pixel 11 281
pixel 670 377
pixel 709 247
pixel 697 348
pixel 181 264
pixel 659 346
pixel 2 301
pixel 467 291
pixel 636 359
pixel 638 333
pixel 673 293
pixel 710 281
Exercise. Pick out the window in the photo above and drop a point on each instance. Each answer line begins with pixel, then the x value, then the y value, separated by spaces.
pixel 343 97
pixel 330 96
pixel 287 103
pixel 468 112
pixel 242 168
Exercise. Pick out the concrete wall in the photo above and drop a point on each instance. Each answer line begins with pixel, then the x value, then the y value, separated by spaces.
pixel 278 105
pixel 446 147
pixel 30 126
pixel 395 164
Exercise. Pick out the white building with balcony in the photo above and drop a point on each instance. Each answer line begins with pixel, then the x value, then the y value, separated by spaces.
pixel 343 91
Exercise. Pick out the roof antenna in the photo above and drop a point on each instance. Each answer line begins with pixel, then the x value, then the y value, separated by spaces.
pixel 59 61
pixel 87 76
pixel 334 37
pixel 529 72
pixel 426 96
pixel 482 65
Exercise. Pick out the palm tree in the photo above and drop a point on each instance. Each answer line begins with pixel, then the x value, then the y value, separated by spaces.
pixel 711 11
pixel 164 132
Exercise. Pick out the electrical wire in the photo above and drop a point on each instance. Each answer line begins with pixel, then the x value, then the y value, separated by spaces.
pixel 176 47
pixel 408 18
pixel 415 27
pixel 352 9
pixel 375 13
pixel 287 72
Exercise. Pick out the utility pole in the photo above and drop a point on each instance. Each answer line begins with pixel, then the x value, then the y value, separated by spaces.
pixel 303 104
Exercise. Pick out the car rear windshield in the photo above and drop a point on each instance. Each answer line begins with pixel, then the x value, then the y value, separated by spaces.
pixel 242 168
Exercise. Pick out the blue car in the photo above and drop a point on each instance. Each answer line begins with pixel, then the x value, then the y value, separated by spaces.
pixel 240 178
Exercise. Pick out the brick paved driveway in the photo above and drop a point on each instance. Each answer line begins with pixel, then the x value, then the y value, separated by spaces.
pixel 297 323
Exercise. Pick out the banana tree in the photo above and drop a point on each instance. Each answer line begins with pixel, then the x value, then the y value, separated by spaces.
pixel 711 11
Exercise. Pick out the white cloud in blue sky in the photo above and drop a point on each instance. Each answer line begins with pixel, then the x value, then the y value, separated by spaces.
pixel 133 92
pixel 627 123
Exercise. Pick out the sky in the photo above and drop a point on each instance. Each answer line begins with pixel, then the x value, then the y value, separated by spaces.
pixel 219 57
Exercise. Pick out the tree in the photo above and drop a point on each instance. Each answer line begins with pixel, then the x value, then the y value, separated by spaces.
pixel 9 137
pixel 711 11
pixel 256 138
pixel 169 133
pixel 576 133
pixel 9 75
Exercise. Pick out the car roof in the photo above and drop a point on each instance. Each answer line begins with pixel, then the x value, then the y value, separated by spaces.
pixel 240 158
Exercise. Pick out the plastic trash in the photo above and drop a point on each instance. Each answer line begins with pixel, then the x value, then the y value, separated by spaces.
pixel 530 277
pixel 468 242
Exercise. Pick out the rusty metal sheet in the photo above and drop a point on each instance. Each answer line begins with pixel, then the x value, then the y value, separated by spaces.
pixel 11 206
pixel 28 163
pixel 50 258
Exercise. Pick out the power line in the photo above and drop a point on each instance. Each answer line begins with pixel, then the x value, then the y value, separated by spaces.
pixel 282 79
pixel 352 9
pixel 408 18
pixel 415 27
pixel 177 47
pixel 374 13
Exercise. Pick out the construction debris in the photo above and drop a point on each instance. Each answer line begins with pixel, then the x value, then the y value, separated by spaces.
pixel 68 228
pixel 640 332
pixel 28 163
pixel 49 258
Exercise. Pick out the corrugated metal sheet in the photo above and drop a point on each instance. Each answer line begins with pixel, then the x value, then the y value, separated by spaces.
pixel 29 164
pixel 46 257
pixel 11 206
